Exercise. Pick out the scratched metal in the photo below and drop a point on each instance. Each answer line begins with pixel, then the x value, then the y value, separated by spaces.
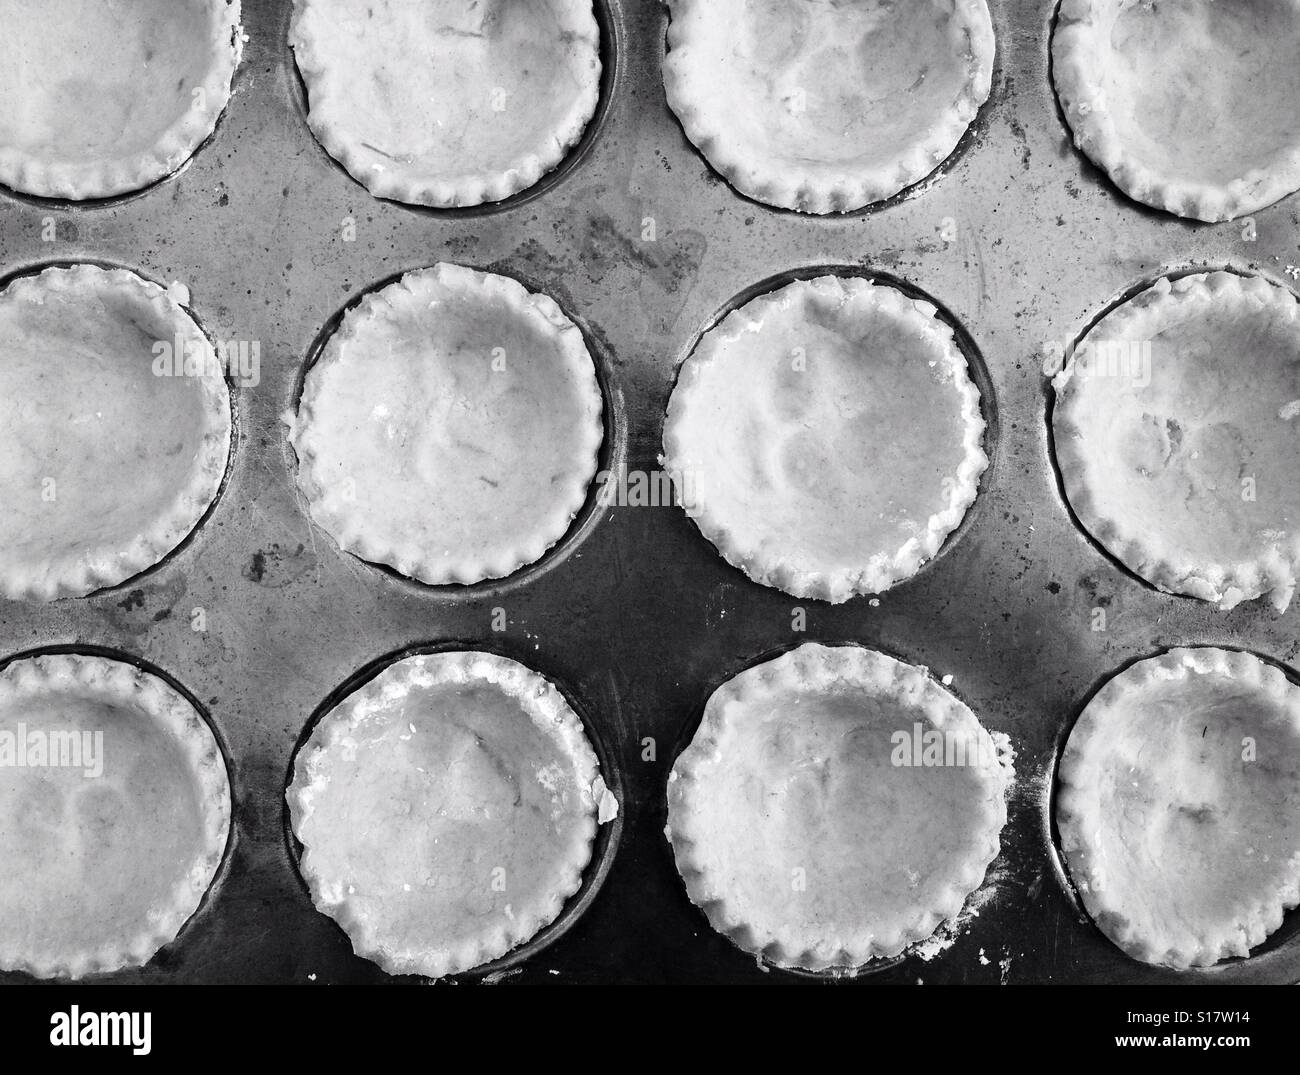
pixel 634 615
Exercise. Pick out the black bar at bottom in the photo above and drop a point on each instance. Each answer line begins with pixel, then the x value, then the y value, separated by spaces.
pixel 442 1020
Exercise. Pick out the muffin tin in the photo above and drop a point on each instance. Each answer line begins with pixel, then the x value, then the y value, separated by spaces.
pixel 1018 240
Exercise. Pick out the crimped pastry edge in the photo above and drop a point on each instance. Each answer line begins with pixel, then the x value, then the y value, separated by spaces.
pixel 1076 47
pixel 809 668
pixel 124 684
pixel 1224 585
pixel 177 144
pixel 854 189
pixel 347 530
pixel 435 190
pixel 1077 816
pixel 102 569
pixel 541 701
pixel 763 561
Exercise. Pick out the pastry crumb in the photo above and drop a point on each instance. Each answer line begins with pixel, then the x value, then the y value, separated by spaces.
pixel 606 803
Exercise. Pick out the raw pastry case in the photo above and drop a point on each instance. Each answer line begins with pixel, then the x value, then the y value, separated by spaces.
pixel 1018 240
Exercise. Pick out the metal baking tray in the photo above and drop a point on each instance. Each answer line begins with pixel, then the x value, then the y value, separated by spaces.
pixel 1019 241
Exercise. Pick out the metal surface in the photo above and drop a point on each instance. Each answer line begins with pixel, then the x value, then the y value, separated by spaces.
pixel 635 615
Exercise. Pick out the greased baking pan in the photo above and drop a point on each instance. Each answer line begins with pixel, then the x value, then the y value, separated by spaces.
pixel 1019 241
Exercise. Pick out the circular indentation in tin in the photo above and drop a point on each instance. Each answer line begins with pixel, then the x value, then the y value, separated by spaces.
pixel 610 21
pixel 174 947
pixel 91 205
pixel 973 135
pixel 946 932
pixel 611 458
pixel 198 95
pixel 1091 169
pixel 1146 160
pixel 604 845
pixel 69 206
pixel 977 371
pixel 1277 958
pixel 1137 358
pixel 35 269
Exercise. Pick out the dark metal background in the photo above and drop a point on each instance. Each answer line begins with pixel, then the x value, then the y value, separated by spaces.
pixel 635 615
